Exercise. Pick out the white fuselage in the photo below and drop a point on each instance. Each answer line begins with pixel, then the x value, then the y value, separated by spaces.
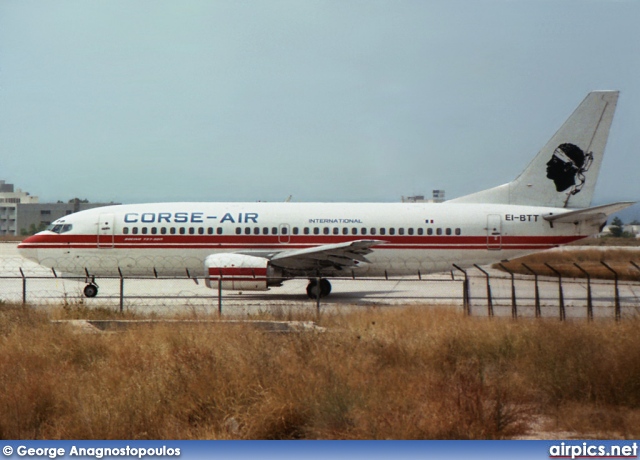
pixel 173 239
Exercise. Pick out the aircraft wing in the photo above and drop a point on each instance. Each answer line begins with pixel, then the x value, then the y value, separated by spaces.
pixel 593 213
pixel 334 256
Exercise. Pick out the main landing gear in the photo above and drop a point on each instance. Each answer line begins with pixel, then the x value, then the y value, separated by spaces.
pixel 323 288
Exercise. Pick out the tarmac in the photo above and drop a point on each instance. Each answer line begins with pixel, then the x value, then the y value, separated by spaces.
pixel 21 279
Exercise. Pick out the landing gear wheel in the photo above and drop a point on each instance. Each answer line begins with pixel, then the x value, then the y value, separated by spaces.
pixel 312 288
pixel 90 290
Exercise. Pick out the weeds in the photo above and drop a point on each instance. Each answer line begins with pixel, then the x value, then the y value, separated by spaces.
pixel 416 373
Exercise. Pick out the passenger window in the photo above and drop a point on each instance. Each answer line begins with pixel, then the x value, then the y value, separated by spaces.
pixel 316 231
pixel 265 230
pixel 274 230
pixel 401 231
pixel 145 230
pixel 439 231
pixel 200 230
pixel 373 231
pixel 363 231
pixel 247 230
pixel 429 231
pixel 256 230
pixel 345 231
pixel 125 230
pixel 219 231
pixel 410 231
pixel 421 231
pixel 448 231
pixel 295 230
pixel 325 230
pixel 163 230
pixel 458 231
pixel 209 230
pixel 154 231
pixel 392 231
pixel 192 231
pixel 284 230
pixel 354 231
pixel 238 231
pixel 134 230
pixel 306 230
pixel 383 231
pixel 183 230
pixel 336 231
pixel 172 230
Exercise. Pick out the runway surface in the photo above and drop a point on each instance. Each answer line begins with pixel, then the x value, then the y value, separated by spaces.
pixel 170 296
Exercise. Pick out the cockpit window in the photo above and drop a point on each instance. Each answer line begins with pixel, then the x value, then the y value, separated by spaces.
pixel 60 228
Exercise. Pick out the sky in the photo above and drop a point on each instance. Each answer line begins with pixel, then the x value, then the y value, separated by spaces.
pixel 333 100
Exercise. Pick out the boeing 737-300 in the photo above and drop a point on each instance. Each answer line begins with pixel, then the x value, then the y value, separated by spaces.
pixel 256 246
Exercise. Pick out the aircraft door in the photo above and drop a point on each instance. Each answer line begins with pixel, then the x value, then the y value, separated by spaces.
pixel 494 232
pixel 284 233
pixel 105 230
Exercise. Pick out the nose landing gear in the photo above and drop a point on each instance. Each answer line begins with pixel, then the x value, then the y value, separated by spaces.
pixel 314 288
pixel 91 289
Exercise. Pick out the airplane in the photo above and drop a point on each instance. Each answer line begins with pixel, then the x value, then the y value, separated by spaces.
pixel 257 246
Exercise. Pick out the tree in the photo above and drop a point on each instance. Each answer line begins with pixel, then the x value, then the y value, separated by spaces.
pixel 616 227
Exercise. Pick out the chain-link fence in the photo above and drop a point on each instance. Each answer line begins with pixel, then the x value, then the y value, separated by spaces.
pixel 478 291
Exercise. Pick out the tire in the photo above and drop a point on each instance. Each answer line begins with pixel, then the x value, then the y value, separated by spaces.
pixel 312 288
pixel 90 290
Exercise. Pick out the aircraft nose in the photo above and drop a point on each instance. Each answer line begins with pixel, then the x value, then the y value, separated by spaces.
pixel 27 250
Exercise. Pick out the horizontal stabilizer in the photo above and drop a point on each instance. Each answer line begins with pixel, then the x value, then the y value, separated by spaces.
pixel 589 214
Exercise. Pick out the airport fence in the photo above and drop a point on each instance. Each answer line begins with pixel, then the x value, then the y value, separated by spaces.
pixel 477 291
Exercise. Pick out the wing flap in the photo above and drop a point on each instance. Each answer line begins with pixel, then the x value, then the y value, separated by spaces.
pixel 339 255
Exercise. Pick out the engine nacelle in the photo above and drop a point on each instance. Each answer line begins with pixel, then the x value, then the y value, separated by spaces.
pixel 238 272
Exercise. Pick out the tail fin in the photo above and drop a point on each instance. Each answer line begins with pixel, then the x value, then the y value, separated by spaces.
pixel 564 172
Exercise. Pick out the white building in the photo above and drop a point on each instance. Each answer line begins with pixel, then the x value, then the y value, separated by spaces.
pixel 438 197
pixel 9 201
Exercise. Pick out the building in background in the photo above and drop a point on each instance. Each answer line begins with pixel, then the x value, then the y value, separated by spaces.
pixel 23 214
pixel 437 197
pixel 9 201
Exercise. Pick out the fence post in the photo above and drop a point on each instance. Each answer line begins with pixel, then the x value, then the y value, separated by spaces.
pixel 466 304
pixel 617 292
pixel 24 287
pixel 589 298
pixel 514 306
pixel 563 313
pixel 538 313
pixel 220 295
pixel 121 290
pixel 489 300
pixel 318 295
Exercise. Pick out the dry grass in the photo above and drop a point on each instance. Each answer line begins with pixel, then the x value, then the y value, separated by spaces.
pixel 619 259
pixel 414 373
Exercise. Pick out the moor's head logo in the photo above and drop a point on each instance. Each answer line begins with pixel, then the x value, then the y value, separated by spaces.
pixel 567 166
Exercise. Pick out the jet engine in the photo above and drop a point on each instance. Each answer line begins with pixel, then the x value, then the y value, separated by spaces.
pixel 238 272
